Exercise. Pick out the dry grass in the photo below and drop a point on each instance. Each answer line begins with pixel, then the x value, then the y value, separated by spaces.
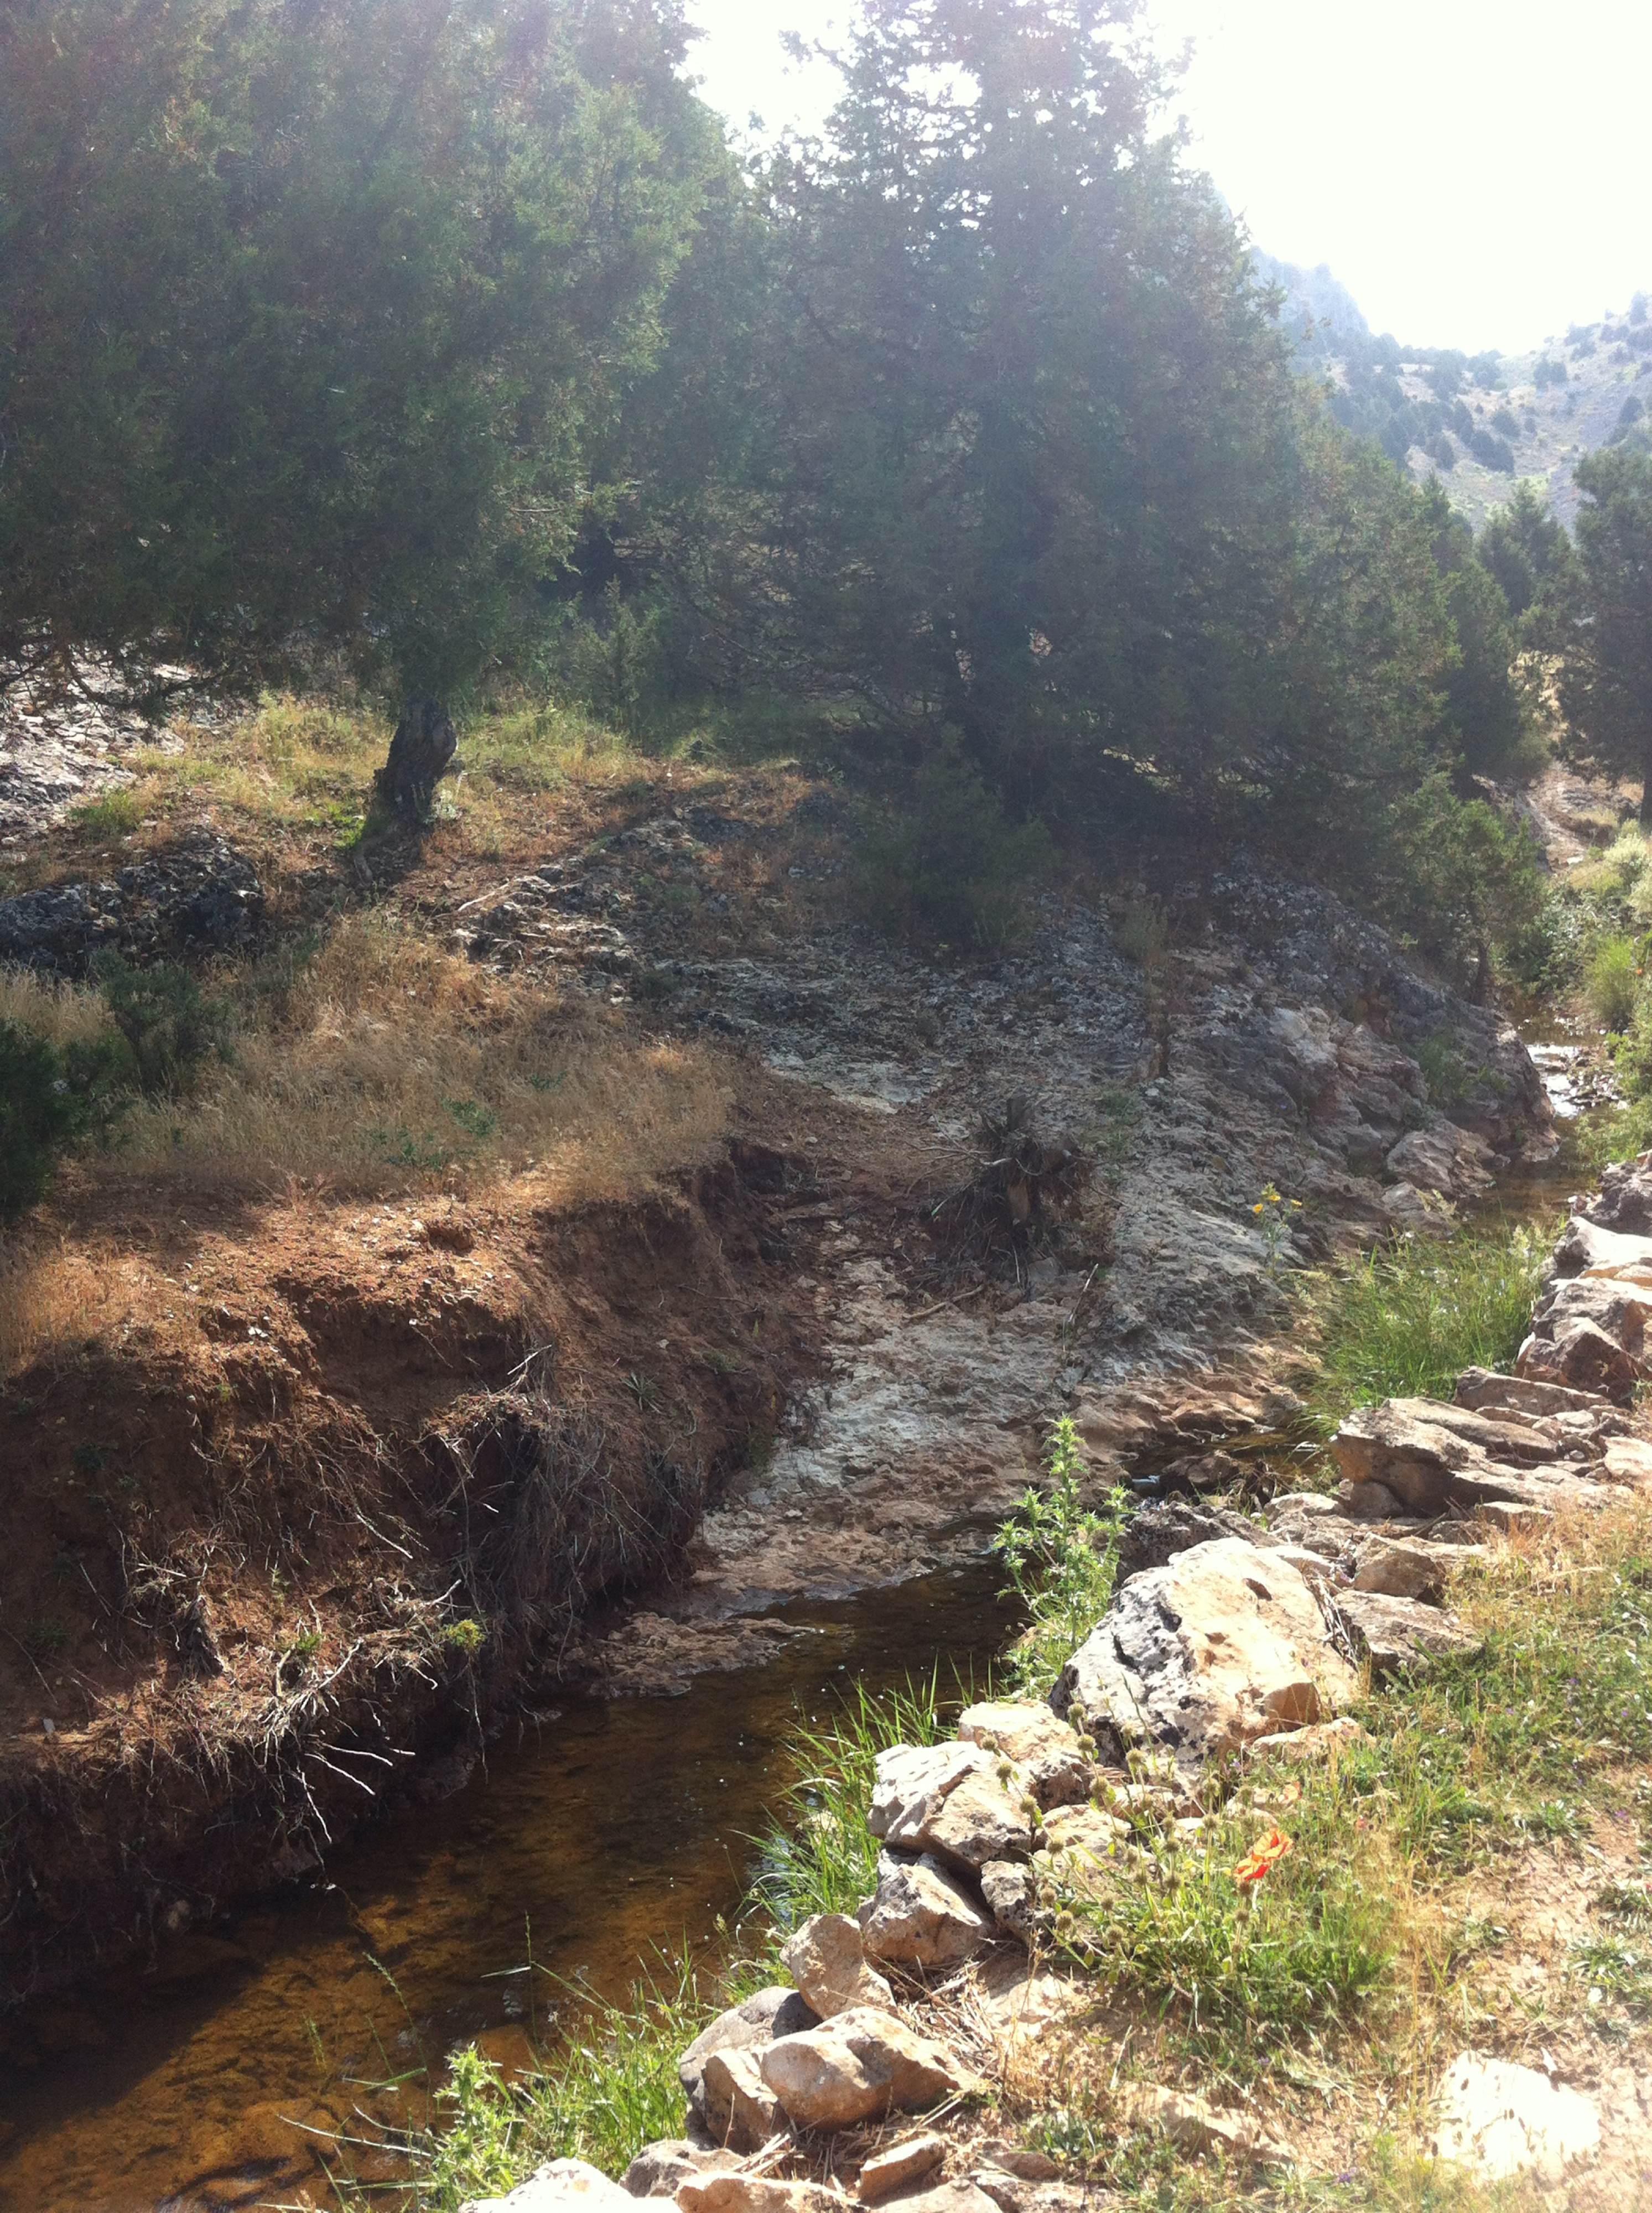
pixel 386 1064
pixel 53 1294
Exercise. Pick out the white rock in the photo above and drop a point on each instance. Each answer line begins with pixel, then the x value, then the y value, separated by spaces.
pixel 860 2064
pixel 739 2107
pixel 921 1916
pixel 755 2193
pixel 891 2170
pixel 966 1805
pixel 563 2186
pixel 1047 1749
pixel 1498 2119
pixel 827 1959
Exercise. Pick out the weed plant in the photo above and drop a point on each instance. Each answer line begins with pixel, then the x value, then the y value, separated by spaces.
pixel 1405 1320
pixel 1611 981
pixel 819 1857
pixel 1062 1561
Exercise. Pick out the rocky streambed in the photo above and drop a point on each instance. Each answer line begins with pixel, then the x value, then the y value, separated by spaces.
pixel 1233 1647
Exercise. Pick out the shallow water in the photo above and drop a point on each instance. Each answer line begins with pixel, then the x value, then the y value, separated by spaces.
pixel 613 1827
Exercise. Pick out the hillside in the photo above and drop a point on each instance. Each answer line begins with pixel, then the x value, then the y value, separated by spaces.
pixel 1479 424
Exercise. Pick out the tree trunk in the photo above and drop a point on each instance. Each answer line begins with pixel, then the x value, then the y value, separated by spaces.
pixel 421 754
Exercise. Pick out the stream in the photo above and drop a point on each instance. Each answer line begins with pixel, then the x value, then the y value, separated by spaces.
pixel 613 1827
pixel 603 1829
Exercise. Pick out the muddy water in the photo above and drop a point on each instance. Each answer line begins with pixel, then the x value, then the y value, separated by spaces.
pixel 612 1828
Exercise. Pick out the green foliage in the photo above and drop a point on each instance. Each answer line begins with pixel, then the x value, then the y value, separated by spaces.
pixel 1455 879
pixel 1489 715
pixel 1404 1321
pixel 1062 1561
pixel 39 1118
pixel 956 864
pixel 611 2087
pixel 169 1025
pixel 1606 672
pixel 111 815
pixel 1241 1966
pixel 1610 980
pixel 821 1857
pixel 323 360
pixel 1525 546
pixel 1549 371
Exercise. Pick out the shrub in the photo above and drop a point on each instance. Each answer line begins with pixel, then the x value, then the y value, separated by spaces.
pixel 956 864
pixel 1550 372
pixel 38 1118
pixel 1444 452
pixel 170 1027
pixel 1611 982
pixel 1062 1563
pixel 1493 453
pixel 1404 1321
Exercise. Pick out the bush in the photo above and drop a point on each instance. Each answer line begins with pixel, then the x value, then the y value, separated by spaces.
pixel 1493 453
pixel 1612 980
pixel 38 1118
pixel 956 864
pixel 167 1023
pixel 1404 1321
pixel 1061 1564
pixel 1504 424
pixel 1550 372
pixel 1455 879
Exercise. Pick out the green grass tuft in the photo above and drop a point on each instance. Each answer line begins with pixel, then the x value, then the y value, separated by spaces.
pixel 1406 1320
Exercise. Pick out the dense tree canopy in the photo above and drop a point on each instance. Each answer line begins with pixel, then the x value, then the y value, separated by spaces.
pixel 310 308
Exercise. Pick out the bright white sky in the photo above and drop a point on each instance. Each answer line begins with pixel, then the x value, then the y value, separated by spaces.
pixel 1478 173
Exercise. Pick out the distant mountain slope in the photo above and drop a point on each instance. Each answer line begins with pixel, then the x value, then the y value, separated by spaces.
pixel 1479 423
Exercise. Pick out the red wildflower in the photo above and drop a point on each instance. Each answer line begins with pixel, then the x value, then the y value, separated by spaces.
pixel 1261 1857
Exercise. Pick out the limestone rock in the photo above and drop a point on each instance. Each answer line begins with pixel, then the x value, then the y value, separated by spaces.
pixel 1418 1213
pixel 562 2185
pixel 1498 2120
pixel 740 2109
pixel 1225 1643
pixel 1323 1741
pixel 1623 1201
pixel 921 1916
pixel 1045 1748
pixel 1195 2126
pixel 859 2065
pixel 1583 1358
pixel 1370 1502
pixel 949 2197
pixel 757 2020
pixel 827 1959
pixel 1010 1889
pixel 1628 1460
pixel 1313 1568
pixel 1157 1532
pixel 903 2163
pixel 1432 1457
pixel 658 2167
pixel 1395 1569
pixel 1519 1395
pixel 1445 1159
pixel 756 2193
pixel 1084 1829
pixel 951 1799
pixel 1397 1632
pixel 1619 1311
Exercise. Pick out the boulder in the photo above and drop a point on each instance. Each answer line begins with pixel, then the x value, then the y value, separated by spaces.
pixel 963 1804
pixel 1395 1568
pixel 901 2166
pixel 857 2067
pixel 1155 1532
pixel 949 2197
pixel 1397 1632
pixel 739 2107
pixel 756 2021
pixel 1499 2120
pixel 1418 1213
pixel 1628 1461
pixel 1585 1248
pixel 1625 1199
pixel 1046 1749
pixel 1369 1502
pixel 1011 1891
pixel 921 1916
pixel 562 2185
pixel 1519 1396
pixel 1619 1311
pixel 658 2167
pixel 827 1959
pixel 1583 1358
pixel 1324 1740
pixel 1444 1159
pixel 1224 1644
pixel 1431 1456
pixel 756 2193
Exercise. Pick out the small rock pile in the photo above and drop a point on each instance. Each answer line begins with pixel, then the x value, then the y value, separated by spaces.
pixel 1230 1639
